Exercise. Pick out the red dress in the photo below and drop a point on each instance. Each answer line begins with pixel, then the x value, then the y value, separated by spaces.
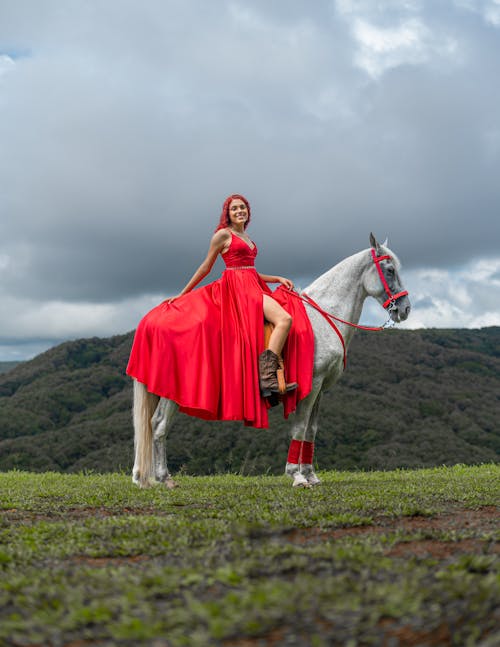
pixel 202 350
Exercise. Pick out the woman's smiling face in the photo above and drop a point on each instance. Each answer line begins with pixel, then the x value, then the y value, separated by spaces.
pixel 238 212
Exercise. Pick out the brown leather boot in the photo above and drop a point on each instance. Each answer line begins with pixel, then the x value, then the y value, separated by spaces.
pixel 269 364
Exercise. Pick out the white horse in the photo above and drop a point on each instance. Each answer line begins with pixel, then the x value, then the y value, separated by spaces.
pixel 341 291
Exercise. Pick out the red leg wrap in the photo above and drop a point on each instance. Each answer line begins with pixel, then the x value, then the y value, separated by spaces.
pixel 294 451
pixel 307 452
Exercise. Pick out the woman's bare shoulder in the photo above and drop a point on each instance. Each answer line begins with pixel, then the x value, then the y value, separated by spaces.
pixel 221 237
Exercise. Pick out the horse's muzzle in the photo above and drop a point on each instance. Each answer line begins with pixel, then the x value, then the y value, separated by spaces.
pixel 400 311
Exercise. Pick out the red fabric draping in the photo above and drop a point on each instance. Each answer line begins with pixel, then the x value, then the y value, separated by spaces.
pixel 202 349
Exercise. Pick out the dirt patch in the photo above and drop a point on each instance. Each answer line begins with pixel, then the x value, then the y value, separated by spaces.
pixel 96 512
pixel 315 535
pixel 411 636
pixel 84 512
pixel 485 519
pixel 391 635
pixel 442 549
pixel 109 561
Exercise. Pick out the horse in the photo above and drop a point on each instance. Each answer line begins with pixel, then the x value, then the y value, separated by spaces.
pixel 341 290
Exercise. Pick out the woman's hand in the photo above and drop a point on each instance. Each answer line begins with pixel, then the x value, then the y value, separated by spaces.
pixel 286 282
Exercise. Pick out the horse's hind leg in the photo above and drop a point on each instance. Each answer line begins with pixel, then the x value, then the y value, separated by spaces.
pixel 144 405
pixel 161 422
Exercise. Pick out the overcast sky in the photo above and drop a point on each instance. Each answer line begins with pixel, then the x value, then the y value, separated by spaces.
pixel 125 123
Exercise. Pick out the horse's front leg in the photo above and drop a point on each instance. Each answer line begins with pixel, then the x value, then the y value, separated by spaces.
pixel 161 422
pixel 306 459
pixel 299 449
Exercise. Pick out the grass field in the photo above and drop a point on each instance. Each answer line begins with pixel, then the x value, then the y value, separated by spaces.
pixel 380 558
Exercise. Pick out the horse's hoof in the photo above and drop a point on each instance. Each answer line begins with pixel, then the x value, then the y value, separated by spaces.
pixel 136 480
pixel 144 485
pixel 300 481
pixel 313 480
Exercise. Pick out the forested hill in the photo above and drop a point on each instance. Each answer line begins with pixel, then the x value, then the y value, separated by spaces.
pixel 407 399
pixel 7 366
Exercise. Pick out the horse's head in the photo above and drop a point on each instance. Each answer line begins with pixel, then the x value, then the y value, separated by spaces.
pixel 382 281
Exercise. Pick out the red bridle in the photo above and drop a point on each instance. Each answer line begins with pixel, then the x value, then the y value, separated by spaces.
pixel 392 298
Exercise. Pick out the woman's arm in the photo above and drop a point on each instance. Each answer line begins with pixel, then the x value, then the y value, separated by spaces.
pixel 219 239
pixel 277 279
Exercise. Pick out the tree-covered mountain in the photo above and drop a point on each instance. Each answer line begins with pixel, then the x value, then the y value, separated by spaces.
pixel 7 366
pixel 407 399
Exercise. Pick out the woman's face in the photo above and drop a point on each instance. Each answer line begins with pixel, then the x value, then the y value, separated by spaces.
pixel 238 212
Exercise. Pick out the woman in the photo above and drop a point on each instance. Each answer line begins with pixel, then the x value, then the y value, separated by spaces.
pixel 200 348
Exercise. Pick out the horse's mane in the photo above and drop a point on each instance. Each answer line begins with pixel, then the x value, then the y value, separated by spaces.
pixel 364 252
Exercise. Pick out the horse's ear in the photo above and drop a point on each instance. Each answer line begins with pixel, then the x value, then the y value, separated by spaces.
pixel 373 241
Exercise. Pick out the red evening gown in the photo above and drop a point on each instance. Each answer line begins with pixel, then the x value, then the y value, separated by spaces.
pixel 202 350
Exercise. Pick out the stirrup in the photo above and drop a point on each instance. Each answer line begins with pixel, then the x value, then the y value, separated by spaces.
pixel 283 387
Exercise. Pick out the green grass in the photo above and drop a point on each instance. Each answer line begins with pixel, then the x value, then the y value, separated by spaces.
pixel 362 559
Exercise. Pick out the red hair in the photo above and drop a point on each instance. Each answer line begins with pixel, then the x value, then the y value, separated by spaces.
pixel 224 217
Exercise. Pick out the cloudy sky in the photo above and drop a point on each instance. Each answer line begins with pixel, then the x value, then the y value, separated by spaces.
pixel 125 123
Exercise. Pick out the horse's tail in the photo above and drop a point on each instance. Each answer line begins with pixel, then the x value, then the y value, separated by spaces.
pixel 144 406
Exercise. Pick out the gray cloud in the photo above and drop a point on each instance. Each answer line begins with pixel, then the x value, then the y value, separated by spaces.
pixel 123 125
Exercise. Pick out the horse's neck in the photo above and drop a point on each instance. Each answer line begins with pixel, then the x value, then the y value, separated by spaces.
pixel 340 290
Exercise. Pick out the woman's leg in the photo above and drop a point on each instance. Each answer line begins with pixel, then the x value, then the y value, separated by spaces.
pixel 281 320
